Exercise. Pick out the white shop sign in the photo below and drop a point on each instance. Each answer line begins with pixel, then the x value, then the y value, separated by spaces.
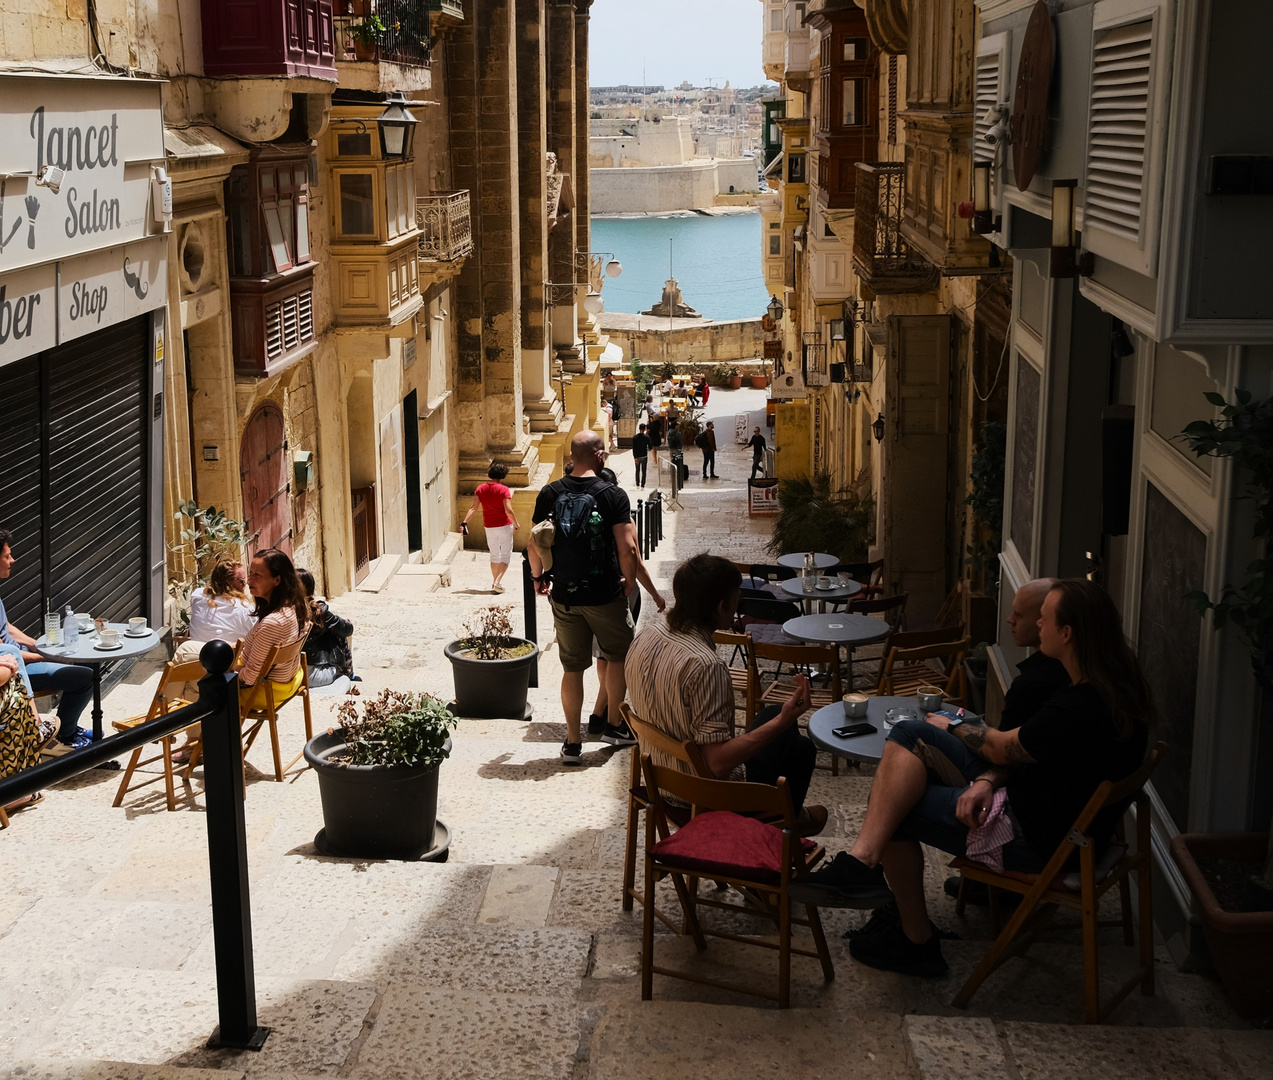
pixel 105 134
pixel 48 305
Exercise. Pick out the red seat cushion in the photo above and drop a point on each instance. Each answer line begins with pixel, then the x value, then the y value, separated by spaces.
pixel 725 843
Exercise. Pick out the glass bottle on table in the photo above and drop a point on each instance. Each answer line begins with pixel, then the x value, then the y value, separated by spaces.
pixel 70 626
pixel 810 572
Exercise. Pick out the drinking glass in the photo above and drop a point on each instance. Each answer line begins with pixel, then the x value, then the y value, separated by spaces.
pixel 53 628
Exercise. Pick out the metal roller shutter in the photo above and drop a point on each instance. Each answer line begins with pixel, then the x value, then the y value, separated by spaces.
pixel 79 518
pixel 20 511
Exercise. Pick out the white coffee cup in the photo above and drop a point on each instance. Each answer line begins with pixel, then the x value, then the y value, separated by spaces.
pixel 85 620
pixel 109 638
pixel 855 706
pixel 825 583
pixel 137 626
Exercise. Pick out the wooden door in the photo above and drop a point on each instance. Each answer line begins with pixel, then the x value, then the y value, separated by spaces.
pixel 267 490
pixel 914 466
pixel 364 513
pixel 791 439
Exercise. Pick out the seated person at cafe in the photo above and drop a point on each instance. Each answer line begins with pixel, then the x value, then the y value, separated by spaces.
pixel 282 614
pixel 73 681
pixel 938 778
pixel 1039 678
pixel 222 609
pixel 20 733
pixel 679 684
pixel 331 660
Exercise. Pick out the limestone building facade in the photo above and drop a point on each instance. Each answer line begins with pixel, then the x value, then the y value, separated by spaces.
pixel 369 249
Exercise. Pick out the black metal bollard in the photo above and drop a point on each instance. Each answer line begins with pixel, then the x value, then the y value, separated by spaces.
pixel 228 854
pixel 530 615
pixel 640 524
pixel 658 516
pixel 652 523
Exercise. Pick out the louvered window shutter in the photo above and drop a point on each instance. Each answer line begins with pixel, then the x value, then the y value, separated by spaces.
pixel 1123 162
pixel 986 95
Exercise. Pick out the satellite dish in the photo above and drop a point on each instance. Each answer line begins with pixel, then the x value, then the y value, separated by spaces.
pixel 614 268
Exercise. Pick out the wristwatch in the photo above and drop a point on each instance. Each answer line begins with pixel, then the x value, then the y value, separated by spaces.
pixel 954 723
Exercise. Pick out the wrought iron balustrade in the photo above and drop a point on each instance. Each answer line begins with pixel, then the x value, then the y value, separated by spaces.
pixel 446 230
pixel 817 371
pixel 882 256
pixel 406 36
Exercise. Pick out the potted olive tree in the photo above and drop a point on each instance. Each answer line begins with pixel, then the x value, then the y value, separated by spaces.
pixel 1231 874
pixel 378 778
pixel 492 667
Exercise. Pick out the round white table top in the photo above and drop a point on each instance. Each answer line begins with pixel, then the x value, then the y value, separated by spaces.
pixel 795 560
pixel 794 587
pixel 837 628
pixel 85 649
pixel 867 748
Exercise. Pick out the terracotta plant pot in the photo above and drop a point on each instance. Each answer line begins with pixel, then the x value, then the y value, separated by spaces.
pixel 365 51
pixel 760 381
pixel 1241 944
pixel 735 381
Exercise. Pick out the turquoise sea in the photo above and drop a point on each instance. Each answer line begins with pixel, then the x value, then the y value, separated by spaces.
pixel 716 260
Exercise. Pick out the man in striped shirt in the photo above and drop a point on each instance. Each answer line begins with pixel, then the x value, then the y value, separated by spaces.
pixel 678 683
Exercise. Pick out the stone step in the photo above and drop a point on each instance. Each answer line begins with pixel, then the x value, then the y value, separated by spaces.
pixel 380 573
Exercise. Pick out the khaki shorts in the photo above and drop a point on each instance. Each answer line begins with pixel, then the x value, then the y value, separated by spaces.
pixel 610 623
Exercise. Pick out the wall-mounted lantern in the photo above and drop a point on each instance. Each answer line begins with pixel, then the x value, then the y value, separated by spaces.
pixel 397 126
pixel 877 428
pixel 775 308
pixel 837 330
pixel 1067 260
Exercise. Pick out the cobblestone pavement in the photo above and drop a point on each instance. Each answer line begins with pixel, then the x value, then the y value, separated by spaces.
pixel 514 958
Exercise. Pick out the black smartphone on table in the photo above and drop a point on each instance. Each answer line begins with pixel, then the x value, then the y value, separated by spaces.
pixel 850 730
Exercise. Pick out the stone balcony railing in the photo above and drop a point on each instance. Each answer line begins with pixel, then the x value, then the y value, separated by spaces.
pixel 446 231
pixel 881 255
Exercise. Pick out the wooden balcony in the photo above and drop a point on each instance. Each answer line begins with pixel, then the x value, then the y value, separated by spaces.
pixel 938 178
pixel 376 285
pixel 272 320
pixel 448 9
pixel 446 230
pixel 283 38
pixel 881 255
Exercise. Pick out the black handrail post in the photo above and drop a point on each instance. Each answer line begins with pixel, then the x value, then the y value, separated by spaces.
pixel 228 854
pixel 530 616
pixel 640 524
pixel 660 512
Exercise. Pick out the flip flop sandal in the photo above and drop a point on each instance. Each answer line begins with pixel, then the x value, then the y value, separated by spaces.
pixel 30 800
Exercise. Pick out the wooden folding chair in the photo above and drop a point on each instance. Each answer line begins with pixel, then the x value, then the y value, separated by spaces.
pixel 739 677
pixel 171 683
pixel 650 738
pixel 1044 892
pixel 905 670
pixel 259 705
pixel 771 572
pixel 869 574
pixel 705 847
pixel 893 608
pixel 824 658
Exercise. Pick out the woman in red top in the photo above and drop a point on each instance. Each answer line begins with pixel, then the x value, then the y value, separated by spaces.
pixel 498 519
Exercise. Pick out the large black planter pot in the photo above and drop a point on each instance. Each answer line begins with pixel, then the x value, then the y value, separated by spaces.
pixel 491 689
pixel 375 811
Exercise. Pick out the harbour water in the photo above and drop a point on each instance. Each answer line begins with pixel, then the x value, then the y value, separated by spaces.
pixel 716 260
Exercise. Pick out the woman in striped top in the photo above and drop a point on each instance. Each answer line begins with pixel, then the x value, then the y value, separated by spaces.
pixel 282 614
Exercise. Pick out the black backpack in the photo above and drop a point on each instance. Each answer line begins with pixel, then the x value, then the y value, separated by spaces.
pixel 581 546
pixel 700 440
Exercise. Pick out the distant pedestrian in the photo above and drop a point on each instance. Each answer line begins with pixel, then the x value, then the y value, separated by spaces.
pixel 758 445
pixel 655 430
pixel 498 519
pixel 703 391
pixel 707 443
pixel 676 447
pixel 640 454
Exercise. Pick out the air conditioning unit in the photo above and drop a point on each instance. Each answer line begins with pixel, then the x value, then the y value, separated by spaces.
pixel 786 386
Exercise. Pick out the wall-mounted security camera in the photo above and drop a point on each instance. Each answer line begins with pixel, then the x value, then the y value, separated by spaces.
pixel 51 177
pixel 998 133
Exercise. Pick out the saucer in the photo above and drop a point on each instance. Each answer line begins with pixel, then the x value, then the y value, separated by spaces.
pixel 108 648
pixel 144 633
pixel 826 588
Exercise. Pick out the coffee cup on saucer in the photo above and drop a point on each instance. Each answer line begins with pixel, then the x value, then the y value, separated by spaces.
pixel 137 626
pixel 855 706
pixel 825 583
pixel 108 639
pixel 85 621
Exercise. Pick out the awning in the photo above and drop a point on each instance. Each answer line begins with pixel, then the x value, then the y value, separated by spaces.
pixel 774 168
pixel 201 142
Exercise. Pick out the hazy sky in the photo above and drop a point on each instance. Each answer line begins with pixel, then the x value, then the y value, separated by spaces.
pixel 698 40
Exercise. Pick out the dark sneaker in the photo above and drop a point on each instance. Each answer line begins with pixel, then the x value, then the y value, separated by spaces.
pixel 892 950
pixel 844 882
pixel 571 753
pixel 596 724
pixel 885 918
pixel 619 736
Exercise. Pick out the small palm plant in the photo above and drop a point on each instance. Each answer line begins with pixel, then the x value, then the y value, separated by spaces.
pixel 814 516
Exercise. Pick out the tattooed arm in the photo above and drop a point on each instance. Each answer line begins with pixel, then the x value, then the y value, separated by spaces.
pixel 997 747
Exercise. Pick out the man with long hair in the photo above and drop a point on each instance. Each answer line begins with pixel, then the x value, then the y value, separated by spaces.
pixel 678 683
pixel 939 776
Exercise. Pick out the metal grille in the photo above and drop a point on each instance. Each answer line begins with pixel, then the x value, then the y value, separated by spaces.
pixel 406 38
pixel 892 98
pixel 446 231
pixel 878 246
pixel 816 371
pixel 1118 126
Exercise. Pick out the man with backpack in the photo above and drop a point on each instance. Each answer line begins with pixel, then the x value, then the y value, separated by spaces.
pixel 595 565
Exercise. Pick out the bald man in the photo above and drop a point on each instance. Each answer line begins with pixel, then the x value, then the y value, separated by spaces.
pixel 595 566
pixel 1038 676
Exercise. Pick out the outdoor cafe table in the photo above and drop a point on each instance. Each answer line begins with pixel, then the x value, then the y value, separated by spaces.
pixel 839 629
pixel 85 651
pixel 795 560
pixel 864 748
pixel 794 588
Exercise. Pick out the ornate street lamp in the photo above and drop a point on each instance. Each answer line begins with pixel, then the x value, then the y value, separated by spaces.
pixel 775 308
pixel 877 428
pixel 397 126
